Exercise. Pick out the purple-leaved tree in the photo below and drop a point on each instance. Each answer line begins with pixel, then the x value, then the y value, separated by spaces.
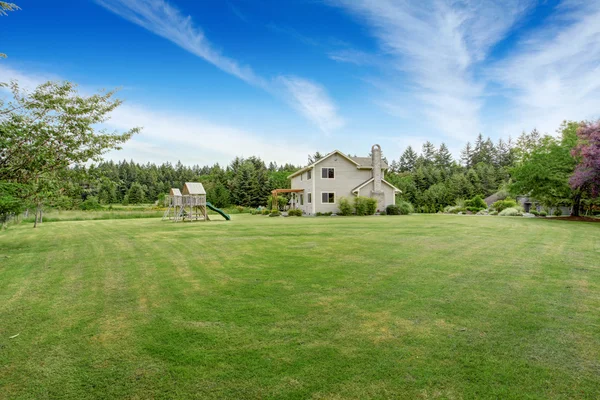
pixel 587 173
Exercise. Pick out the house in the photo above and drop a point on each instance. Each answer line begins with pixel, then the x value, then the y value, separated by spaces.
pixel 319 186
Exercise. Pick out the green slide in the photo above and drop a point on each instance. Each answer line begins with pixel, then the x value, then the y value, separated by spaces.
pixel 218 210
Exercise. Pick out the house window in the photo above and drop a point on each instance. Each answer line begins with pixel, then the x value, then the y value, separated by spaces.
pixel 327 197
pixel 308 175
pixel 328 173
pixel 301 199
pixel 309 198
pixel 300 177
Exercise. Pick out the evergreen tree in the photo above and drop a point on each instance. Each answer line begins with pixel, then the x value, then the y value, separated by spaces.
pixel 408 160
pixel 443 158
pixel 428 153
pixel 466 156
pixel 135 195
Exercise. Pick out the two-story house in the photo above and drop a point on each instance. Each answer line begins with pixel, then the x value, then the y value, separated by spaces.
pixel 318 186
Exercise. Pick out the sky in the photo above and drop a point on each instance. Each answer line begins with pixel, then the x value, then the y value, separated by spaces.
pixel 209 80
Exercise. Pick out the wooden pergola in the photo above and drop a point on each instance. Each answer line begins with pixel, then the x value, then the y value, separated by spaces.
pixel 276 192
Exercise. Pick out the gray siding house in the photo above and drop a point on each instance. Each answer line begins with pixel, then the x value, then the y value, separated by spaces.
pixel 320 185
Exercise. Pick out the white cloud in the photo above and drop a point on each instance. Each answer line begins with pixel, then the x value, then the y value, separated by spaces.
pixel 162 19
pixel 438 44
pixel 554 74
pixel 312 101
pixel 169 136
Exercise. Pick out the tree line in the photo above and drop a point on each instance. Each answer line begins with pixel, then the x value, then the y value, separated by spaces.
pixel 51 155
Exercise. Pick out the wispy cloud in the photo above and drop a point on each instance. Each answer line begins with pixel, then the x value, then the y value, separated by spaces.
pixel 165 20
pixel 554 74
pixel 437 44
pixel 312 101
pixel 172 136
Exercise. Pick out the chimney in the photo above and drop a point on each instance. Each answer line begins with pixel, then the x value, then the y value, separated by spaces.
pixel 376 162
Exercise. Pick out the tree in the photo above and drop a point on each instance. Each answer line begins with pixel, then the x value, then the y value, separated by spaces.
pixel 44 132
pixel 587 173
pixel 4 7
pixel 408 160
pixel 443 158
pixel 428 153
pixel 135 194
pixel 314 158
pixel 546 168
pixel 466 156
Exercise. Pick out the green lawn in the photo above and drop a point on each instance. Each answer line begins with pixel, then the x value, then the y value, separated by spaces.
pixel 423 306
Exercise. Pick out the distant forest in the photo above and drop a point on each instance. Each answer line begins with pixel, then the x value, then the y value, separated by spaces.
pixel 430 179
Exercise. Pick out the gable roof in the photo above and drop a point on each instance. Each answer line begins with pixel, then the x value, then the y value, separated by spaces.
pixel 175 192
pixel 360 162
pixel 325 157
pixel 193 188
pixel 367 162
pixel 365 183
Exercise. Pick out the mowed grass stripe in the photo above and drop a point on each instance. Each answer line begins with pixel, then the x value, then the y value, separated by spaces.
pixel 376 307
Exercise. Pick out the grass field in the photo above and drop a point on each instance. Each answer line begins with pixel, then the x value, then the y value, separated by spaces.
pixel 423 306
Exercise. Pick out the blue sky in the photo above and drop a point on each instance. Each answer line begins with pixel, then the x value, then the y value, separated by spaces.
pixel 209 80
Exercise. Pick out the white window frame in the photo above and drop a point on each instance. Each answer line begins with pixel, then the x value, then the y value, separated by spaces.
pixel 333 168
pixel 309 175
pixel 334 197
pixel 309 198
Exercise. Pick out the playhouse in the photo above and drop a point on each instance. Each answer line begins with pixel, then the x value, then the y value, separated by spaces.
pixel 189 204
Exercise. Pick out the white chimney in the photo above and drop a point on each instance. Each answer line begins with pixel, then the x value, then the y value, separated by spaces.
pixel 376 161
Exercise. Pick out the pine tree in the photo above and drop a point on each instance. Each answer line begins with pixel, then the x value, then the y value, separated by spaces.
pixel 428 153
pixel 466 156
pixel 408 160
pixel 443 158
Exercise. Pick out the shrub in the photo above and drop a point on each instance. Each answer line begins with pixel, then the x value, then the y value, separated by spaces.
pixel 392 209
pixel 324 214
pixel 493 212
pixel 475 209
pixel 275 213
pixel 383 212
pixel 91 203
pixel 345 206
pixel 476 202
pixel 454 209
pixel 371 205
pixel 543 213
pixel 509 212
pixel 504 204
pixel 534 212
pixel 240 209
pixel 557 212
pixel 405 207
pixel 295 213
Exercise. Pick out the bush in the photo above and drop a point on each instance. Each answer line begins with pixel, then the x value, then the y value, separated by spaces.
pixel 324 214
pixel 365 205
pixel 295 213
pixel 509 212
pixel 275 213
pixel 345 206
pixel 475 209
pixel 91 203
pixel 371 205
pixel 504 204
pixel 392 209
pixel 543 213
pixel 557 212
pixel 476 202
pixel 493 212
pixel 265 212
pixel 534 212
pixel 405 207
pixel 383 212
pixel 454 209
